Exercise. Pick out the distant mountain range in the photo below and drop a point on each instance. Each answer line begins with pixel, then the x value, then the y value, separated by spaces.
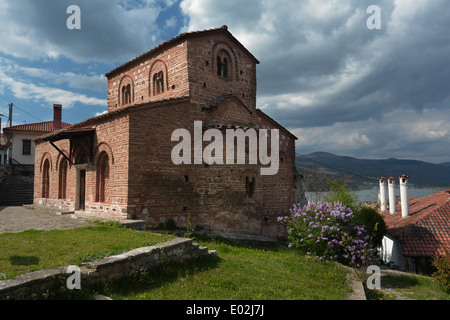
pixel 363 173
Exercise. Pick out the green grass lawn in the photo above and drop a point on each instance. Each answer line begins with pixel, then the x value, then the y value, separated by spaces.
pixel 35 250
pixel 238 273
pixel 407 287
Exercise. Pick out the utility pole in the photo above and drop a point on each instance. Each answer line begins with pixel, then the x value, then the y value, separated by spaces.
pixel 10 114
pixel 10 124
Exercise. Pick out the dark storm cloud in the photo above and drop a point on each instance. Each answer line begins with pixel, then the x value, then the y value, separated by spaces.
pixel 111 30
pixel 337 85
pixel 341 87
pixel 405 65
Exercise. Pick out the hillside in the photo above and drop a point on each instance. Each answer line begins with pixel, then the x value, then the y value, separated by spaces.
pixel 361 173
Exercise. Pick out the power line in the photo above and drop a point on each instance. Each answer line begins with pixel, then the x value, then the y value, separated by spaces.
pixel 15 105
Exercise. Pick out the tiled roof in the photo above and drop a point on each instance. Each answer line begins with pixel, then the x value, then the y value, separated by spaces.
pixel 37 127
pixel 92 122
pixel 426 231
pixel 261 113
pixel 178 38
pixel 217 101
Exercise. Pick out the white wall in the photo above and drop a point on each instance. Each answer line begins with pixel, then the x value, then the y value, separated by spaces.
pixel 17 145
pixel 391 252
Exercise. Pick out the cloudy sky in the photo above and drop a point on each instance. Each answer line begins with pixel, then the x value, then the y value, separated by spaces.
pixel 337 85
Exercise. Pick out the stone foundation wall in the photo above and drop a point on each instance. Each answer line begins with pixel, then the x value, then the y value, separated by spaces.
pixel 102 271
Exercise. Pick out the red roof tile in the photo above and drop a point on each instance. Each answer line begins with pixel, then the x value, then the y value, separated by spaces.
pixel 92 122
pixel 36 127
pixel 426 231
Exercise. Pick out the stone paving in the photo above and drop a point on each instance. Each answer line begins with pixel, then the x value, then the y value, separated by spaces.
pixel 21 218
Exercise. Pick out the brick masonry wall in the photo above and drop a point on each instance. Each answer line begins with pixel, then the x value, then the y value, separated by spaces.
pixel 213 197
pixel 206 85
pixel 172 61
pixel 102 271
pixel 190 69
pixel 112 137
pixel 144 183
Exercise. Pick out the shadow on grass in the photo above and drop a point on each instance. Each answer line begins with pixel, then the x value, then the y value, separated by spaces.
pixel 400 281
pixel 24 260
pixel 391 282
pixel 247 244
pixel 145 280
pixel 139 281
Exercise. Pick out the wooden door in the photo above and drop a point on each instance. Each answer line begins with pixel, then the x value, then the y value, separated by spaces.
pixel 82 200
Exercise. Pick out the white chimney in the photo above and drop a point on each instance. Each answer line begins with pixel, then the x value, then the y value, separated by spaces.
pixel 383 193
pixel 392 200
pixel 404 195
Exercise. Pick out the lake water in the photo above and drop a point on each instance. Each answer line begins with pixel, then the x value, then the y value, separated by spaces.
pixel 372 195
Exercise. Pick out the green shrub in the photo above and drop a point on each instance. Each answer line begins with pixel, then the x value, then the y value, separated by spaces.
pixel 442 276
pixel 373 223
pixel 339 193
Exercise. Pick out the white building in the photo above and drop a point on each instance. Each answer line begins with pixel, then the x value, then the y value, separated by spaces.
pixel 417 230
pixel 20 138
pixel 3 150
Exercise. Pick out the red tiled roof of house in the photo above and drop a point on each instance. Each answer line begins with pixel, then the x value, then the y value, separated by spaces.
pixel 36 127
pixel 426 232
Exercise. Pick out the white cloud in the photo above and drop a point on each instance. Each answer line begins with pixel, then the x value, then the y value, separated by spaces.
pixel 25 89
pixel 73 80
pixel 171 22
pixel 100 113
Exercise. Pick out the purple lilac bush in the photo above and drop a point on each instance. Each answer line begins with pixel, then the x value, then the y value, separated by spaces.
pixel 326 231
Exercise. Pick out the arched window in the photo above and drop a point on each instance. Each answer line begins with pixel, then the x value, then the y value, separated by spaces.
pixel 103 177
pixel 46 179
pixel 223 64
pixel 126 94
pixel 158 83
pixel 62 186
